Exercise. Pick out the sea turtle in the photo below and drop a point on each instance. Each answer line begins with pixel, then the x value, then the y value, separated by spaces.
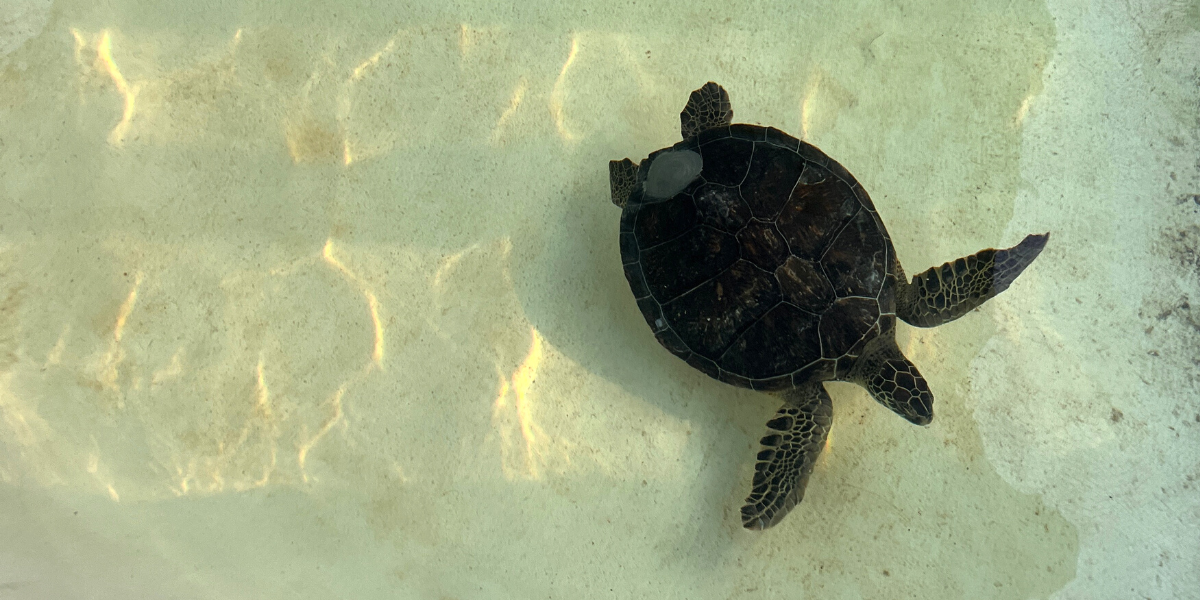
pixel 761 262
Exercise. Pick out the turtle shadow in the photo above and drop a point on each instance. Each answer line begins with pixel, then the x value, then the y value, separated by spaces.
pixel 591 317
pixel 590 313
pixel 883 483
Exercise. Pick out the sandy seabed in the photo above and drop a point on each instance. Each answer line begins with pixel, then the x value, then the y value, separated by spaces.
pixel 324 300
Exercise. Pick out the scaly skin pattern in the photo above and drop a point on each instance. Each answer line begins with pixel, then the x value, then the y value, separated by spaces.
pixel 943 294
pixel 622 176
pixel 794 440
pixel 706 107
pixel 894 381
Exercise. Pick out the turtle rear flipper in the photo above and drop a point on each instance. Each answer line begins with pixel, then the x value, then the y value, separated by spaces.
pixel 795 437
pixel 707 107
pixel 943 294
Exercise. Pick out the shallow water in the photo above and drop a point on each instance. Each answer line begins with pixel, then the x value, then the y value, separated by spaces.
pixel 326 301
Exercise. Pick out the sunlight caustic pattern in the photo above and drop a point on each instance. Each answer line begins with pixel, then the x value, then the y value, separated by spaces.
pixel 527 451
pixel 806 103
pixel 266 420
pixel 266 415
pixel 26 436
pixel 93 469
pixel 365 290
pixel 345 102
pixel 207 474
pixel 107 365
pixel 249 446
pixel 558 94
pixel 514 102
pixel 181 103
pixel 104 61
pixel 160 104
pixel 335 403
pixel 254 449
pixel 528 456
pixel 167 401
pixel 469 37
pixel 1023 110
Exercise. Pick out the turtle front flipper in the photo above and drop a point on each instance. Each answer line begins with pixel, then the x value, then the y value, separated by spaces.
pixel 943 294
pixel 893 381
pixel 795 437
pixel 622 176
pixel 707 107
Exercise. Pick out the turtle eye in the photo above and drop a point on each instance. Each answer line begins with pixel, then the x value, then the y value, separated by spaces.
pixel 671 172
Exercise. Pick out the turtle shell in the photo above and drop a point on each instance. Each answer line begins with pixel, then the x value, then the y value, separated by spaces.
pixel 767 270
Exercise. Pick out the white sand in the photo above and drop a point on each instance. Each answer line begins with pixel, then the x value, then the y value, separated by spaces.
pixel 326 302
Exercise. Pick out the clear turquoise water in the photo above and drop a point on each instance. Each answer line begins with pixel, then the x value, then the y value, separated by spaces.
pixel 324 300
